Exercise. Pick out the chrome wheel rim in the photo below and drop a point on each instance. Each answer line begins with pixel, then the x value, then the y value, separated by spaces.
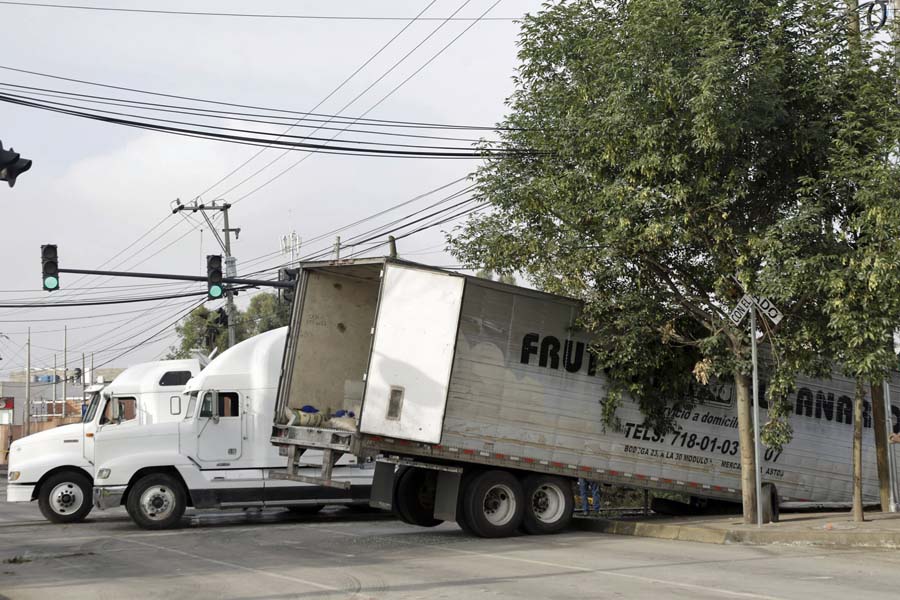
pixel 158 502
pixel 66 498
pixel 548 503
pixel 499 505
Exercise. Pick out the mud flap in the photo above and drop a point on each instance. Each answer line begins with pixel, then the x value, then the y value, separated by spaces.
pixel 382 486
pixel 445 499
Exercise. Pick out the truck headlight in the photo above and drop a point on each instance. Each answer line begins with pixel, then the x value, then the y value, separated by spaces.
pixel 103 473
pixel 13 475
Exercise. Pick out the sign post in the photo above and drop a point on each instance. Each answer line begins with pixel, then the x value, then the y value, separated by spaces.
pixel 751 303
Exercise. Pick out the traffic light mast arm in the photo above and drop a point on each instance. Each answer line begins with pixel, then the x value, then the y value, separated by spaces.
pixel 235 280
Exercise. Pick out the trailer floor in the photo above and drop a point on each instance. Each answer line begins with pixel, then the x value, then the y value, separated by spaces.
pixel 341 554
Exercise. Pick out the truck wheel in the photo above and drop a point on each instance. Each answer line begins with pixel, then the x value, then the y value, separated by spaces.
pixel 770 503
pixel 66 497
pixel 414 497
pixel 548 504
pixel 493 504
pixel 157 501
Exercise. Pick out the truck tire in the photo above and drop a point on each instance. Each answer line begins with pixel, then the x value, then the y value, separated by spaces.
pixel 770 503
pixel 461 519
pixel 156 501
pixel 549 504
pixel 66 497
pixel 414 497
pixel 493 504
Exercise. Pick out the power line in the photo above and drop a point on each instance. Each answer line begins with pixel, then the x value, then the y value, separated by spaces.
pixel 261 141
pixel 371 108
pixel 329 95
pixel 193 13
pixel 342 118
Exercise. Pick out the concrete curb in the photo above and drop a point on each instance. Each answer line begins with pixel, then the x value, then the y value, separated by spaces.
pixel 709 535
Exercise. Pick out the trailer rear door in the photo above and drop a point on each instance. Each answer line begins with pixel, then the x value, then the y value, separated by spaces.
pixel 412 353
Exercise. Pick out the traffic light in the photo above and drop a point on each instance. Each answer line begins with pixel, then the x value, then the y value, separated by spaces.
pixel 50 267
pixel 214 289
pixel 289 275
pixel 12 165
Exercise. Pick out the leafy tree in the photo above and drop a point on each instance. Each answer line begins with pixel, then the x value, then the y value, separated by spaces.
pixel 665 152
pixel 203 330
pixel 206 329
pixel 265 311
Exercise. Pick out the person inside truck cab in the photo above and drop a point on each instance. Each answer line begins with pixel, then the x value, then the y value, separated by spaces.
pixel 127 410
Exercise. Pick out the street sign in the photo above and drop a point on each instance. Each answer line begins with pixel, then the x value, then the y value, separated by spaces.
pixel 740 311
pixel 764 305
pixel 7 403
pixel 767 308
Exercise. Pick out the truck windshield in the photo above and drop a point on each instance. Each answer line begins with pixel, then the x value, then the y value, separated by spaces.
pixel 192 403
pixel 92 408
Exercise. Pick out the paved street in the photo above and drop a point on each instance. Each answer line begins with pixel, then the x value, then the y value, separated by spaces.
pixel 362 555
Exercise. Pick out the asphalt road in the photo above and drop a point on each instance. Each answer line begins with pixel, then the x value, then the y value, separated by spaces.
pixel 342 554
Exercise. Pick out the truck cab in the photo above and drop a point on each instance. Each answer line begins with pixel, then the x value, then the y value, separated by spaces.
pixel 56 467
pixel 218 455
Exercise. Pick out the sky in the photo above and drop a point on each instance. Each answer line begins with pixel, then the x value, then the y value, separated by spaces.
pixel 103 192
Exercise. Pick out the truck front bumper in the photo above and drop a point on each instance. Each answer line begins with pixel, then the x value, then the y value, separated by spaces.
pixel 109 496
pixel 19 493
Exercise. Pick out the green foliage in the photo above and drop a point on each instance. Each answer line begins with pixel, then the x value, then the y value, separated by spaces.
pixel 205 330
pixel 681 146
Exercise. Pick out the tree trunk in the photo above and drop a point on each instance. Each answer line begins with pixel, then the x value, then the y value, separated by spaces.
pixel 745 430
pixel 857 451
pixel 879 419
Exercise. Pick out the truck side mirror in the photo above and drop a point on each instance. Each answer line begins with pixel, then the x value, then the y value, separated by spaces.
pixel 215 407
pixel 210 410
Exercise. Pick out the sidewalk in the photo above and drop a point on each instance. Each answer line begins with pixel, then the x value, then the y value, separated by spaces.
pixel 834 529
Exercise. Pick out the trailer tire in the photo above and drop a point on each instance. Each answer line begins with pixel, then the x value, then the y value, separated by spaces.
pixel 461 518
pixel 66 497
pixel 549 504
pixel 156 501
pixel 770 503
pixel 414 497
pixel 493 504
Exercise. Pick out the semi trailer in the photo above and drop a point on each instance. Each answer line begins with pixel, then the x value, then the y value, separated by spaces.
pixel 481 403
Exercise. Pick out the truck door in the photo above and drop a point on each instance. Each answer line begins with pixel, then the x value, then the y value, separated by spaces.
pixel 89 424
pixel 221 425
pixel 412 353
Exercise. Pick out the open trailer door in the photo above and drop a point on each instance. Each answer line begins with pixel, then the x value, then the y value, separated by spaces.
pixel 412 353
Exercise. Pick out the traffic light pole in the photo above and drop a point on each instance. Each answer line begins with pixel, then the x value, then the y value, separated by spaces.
pixel 174 277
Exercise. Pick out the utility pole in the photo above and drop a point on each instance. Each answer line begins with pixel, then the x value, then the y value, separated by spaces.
pixel 65 368
pixel 290 246
pixel 230 262
pixel 92 368
pixel 337 247
pixel 230 271
pixel 28 386
pixel 55 377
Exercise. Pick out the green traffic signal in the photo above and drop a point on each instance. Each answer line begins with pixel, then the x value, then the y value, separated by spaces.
pixel 50 267
pixel 215 291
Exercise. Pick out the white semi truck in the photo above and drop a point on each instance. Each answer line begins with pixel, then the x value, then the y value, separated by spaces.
pixel 488 398
pixel 55 467
pixel 218 454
